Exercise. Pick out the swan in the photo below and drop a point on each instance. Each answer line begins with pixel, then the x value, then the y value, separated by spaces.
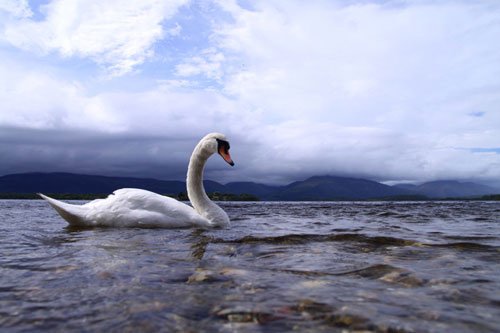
pixel 129 207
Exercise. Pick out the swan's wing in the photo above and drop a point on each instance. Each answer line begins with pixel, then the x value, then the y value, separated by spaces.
pixel 135 207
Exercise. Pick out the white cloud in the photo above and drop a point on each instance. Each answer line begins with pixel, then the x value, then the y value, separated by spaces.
pixel 16 8
pixel 40 99
pixel 116 34
pixel 302 88
pixel 207 63
pixel 363 64
pixel 382 89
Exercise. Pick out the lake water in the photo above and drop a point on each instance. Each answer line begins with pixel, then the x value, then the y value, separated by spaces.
pixel 307 267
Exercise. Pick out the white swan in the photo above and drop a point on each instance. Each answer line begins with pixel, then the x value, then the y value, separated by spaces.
pixel 130 207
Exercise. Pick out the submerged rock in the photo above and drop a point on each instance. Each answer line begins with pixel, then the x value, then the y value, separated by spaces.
pixel 204 275
pixel 244 315
pixel 233 271
pixel 310 306
pixel 403 278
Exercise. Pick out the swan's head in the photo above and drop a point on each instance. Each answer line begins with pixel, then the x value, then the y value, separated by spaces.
pixel 217 143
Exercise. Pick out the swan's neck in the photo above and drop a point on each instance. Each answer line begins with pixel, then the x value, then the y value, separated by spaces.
pixel 196 191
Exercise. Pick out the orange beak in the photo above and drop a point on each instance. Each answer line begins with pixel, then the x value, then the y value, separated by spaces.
pixel 224 152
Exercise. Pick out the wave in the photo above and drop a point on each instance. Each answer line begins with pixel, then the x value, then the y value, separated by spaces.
pixel 292 239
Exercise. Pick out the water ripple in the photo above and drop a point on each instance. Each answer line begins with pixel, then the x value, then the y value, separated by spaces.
pixel 310 267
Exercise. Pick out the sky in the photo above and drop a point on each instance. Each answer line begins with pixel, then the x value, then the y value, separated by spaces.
pixel 393 91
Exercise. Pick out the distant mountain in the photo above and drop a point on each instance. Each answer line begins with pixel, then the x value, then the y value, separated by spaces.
pixel 410 187
pixel 82 184
pixel 314 188
pixel 336 188
pixel 449 189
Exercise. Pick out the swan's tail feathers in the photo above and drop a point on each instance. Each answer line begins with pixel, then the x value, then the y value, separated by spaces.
pixel 74 214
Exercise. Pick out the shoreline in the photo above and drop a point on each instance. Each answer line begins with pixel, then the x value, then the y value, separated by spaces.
pixel 245 197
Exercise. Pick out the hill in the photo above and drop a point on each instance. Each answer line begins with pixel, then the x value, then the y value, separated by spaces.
pixel 449 189
pixel 84 184
pixel 336 188
pixel 313 188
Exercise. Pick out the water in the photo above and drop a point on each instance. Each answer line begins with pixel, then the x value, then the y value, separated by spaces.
pixel 308 267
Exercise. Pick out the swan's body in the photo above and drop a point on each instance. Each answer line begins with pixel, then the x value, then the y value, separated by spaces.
pixel 130 207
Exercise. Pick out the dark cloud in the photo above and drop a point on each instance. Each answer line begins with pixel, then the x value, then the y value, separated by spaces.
pixel 277 161
pixel 27 150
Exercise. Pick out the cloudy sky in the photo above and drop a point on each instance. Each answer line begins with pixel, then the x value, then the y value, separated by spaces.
pixel 388 90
